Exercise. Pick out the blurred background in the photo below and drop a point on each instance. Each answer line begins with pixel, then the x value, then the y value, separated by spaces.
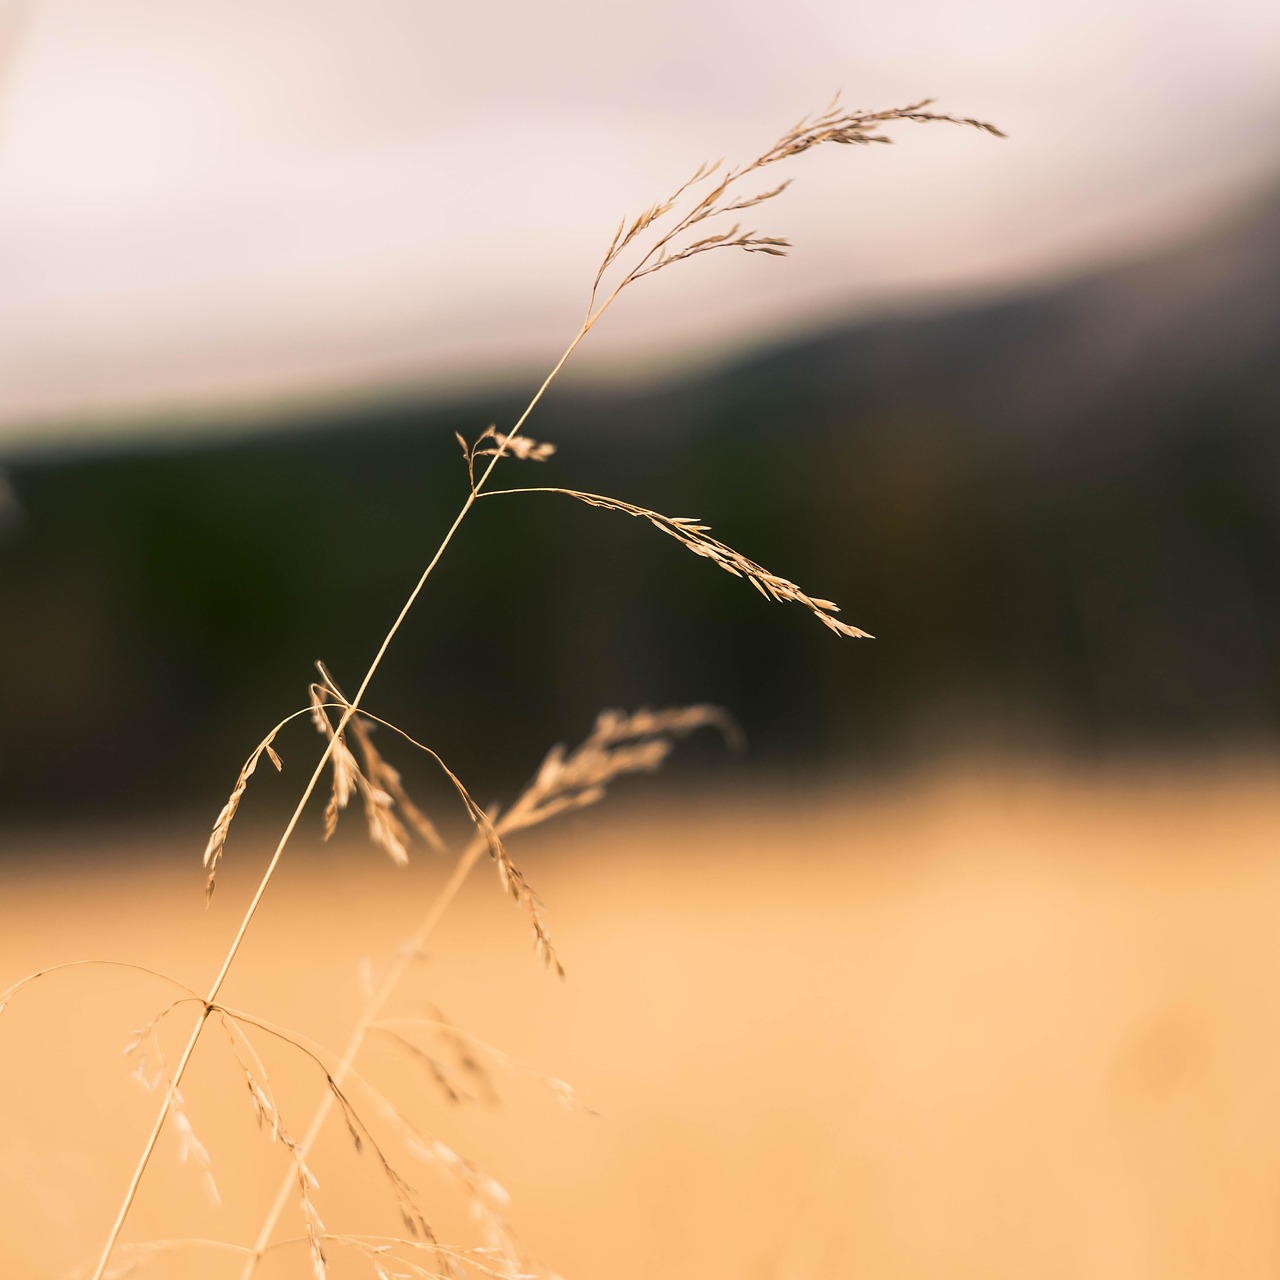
pixel 1013 404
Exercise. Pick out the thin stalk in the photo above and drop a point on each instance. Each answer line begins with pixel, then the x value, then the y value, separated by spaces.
pixel 399 966
pixel 395 974
pixel 512 820
pixel 460 872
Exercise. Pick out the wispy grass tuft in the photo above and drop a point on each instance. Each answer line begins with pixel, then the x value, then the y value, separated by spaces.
pixel 703 215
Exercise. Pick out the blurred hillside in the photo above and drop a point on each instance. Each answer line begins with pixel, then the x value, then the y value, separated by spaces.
pixel 1056 511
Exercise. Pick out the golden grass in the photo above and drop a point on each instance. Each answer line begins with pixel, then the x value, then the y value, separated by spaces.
pixel 988 1026
pixel 661 237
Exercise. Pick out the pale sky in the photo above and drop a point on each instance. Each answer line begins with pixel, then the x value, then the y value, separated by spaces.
pixel 205 206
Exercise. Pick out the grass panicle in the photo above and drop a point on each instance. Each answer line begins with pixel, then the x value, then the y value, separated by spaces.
pixel 669 231
pixel 618 745
pixel 497 445
pixel 222 824
pixel 696 537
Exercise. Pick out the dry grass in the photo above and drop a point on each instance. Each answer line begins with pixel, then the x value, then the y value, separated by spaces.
pixel 988 1026
pixel 670 232
pixel 697 538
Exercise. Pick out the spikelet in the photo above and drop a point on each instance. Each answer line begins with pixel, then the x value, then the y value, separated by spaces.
pixel 378 783
pixel 386 779
pixel 512 880
pixel 671 245
pixel 222 824
pixel 352 779
pixel 385 830
pixel 345 769
pixel 619 744
pixel 191 1150
pixel 509 446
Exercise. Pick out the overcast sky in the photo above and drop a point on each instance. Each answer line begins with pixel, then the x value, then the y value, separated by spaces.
pixel 204 205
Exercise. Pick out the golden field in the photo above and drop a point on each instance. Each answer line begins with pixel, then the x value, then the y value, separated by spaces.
pixel 988 1024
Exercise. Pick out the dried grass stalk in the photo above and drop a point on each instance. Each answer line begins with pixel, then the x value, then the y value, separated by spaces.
pixel 487 1200
pixel 362 1136
pixel 834 125
pixel 144 1050
pixel 379 782
pixel 694 535
pixel 387 831
pixel 463 1077
pixel 500 445
pixel 222 824
pixel 566 781
pixel 619 744
pixel 386 778
pixel 468 1047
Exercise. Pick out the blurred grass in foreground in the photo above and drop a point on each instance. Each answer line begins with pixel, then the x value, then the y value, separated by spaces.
pixel 988 1024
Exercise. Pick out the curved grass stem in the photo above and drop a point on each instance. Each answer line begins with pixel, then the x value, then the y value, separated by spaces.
pixel 351 709
pixel 395 974
pixel 834 125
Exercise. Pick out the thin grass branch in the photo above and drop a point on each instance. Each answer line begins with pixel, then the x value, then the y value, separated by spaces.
pixel 696 537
